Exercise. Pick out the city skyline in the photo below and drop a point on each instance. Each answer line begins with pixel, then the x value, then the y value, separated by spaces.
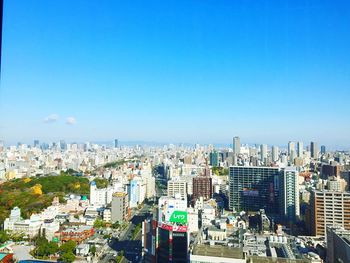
pixel 190 72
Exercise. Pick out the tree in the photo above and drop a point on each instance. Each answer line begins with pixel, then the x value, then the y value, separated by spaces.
pixel 67 257
pixel 3 236
pixel 44 248
pixel 99 223
pixel 69 246
pixel 52 248
pixel 93 250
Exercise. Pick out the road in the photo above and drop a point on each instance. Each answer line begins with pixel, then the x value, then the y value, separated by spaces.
pixel 132 248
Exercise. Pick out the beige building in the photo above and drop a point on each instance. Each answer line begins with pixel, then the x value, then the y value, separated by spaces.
pixel 328 208
pixel 119 207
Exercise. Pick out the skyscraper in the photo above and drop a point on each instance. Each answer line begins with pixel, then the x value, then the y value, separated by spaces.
pixel 36 143
pixel 254 188
pixel 115 143
pixel 323 149
pixel 263 152
pixel 214 158
pixel 236 145
pixel 63 145
pixel 275 155
pixel 289 187
pixel 291 147
pixel 314 150
pixel 300 149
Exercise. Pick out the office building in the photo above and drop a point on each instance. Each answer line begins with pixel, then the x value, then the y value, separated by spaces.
pixel 300 149
pixel 172 230
pixel 290 193
pixel 314 150
pixel 149 238
pixel 116 143
pixel 202 187
pixel 274 153
pixel 36 143
pixel 328 170
pixel 136 192
pixel 323 149
pixel 291 148
pixel 214 158
pixel 338 245
pixel 168 205
pixel 254 188
pixel 63 145
pixel 263 152
pixel 328 208
pixel 177 187
pixel 172 244
pixel 236 146
pixel 119 207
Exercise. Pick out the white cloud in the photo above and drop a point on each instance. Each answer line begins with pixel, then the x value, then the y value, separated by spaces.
pixel 51 118
pixel 71 121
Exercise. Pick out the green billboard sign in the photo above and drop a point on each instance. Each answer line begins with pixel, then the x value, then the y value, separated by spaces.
pixel 178 217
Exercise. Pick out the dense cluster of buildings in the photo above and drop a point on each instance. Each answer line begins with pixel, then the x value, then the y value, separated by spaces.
pixel 237 204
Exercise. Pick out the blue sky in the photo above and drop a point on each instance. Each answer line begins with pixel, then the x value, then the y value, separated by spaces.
pixel 176 71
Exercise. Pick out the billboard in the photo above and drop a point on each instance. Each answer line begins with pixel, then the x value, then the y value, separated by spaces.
pixel 178 217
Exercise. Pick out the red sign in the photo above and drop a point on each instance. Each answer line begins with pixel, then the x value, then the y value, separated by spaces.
pixel 180 228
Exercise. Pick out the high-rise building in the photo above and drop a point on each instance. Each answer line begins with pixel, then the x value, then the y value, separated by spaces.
pixel 291 147
pixel 314 150
pixel 328 208
pixel 214 158
pixel 254 188
pixel 115 143
pixel 176 187
pixel 338 245
pixel 172 244
pixel 36 143
pixel 328 170
pixel 275 154
pixel 263 152
pixel 202 187
pixel 119 206
pixel 236 145
pixel 300 149
pixel 172 230
pixel 63 145
pixel 136 191
pixel 323 149
pixel 149 237
pixel 290 193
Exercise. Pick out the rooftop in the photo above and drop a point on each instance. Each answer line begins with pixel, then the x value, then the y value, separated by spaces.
pixel 218 251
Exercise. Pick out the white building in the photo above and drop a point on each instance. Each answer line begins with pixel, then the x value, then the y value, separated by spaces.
pixel 167 205
pixel 177 186
pixel 208 214
pixel 28 227
pixel 98 197
pixel 136 192
pixel 192 218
